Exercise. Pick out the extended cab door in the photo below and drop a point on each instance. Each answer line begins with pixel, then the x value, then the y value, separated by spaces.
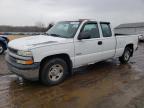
pixel 88 51
pixel 108 41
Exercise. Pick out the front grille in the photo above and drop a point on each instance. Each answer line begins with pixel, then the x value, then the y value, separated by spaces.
pixel 14 51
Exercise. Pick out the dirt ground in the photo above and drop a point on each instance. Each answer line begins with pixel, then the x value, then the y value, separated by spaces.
pixel 106 84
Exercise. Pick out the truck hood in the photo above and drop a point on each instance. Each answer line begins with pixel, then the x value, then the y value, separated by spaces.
pixel 28 43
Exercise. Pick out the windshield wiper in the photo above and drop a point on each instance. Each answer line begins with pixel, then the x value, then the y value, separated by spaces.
pixel 56 35
pixel 52 34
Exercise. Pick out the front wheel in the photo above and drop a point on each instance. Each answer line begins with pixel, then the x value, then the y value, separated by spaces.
pixel 126 55
pixel 1 48
pixel 54 71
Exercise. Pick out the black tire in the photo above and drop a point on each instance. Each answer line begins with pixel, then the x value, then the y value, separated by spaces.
pixel 126 55
pixel 47 69
pixel 1 48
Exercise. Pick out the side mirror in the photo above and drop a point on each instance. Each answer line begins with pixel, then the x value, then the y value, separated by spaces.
pixel 83 35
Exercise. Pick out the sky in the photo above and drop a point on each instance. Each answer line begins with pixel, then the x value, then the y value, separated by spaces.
pixel 32 12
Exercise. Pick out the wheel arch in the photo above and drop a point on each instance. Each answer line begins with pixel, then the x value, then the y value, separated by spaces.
pixel 63 56
pixel 131 46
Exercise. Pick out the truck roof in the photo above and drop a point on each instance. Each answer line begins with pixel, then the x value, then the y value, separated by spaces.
pixel 81 20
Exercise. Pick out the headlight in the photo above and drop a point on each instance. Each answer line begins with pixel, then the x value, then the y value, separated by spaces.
pixel 24 53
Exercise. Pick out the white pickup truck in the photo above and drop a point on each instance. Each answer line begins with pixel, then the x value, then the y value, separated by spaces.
pixel 50 58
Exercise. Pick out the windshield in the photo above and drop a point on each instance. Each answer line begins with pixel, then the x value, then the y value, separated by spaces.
pixel 65 29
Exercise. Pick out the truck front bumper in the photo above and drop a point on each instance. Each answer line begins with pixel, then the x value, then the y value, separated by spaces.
pixel 28 72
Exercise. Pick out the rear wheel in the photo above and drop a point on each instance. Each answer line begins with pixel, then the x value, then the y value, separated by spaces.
pixel 1 48
pixel 54 71
pixel 126 55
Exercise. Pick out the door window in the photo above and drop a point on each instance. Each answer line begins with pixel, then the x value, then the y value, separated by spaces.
pixel 92 30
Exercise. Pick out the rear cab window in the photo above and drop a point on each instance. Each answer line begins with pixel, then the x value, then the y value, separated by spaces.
pixel 106 29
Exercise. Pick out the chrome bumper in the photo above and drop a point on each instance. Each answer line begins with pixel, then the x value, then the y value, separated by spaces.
pixel 29 72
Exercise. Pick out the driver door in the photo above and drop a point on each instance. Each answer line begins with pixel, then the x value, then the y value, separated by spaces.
pixel 88 51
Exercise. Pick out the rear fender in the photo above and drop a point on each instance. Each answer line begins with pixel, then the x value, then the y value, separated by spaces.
pixel 4 42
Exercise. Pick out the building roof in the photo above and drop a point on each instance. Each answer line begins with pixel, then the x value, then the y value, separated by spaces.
pixel 131 25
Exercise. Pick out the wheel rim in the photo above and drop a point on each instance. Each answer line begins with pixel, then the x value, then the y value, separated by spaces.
pixel 1 49
pixel 127 55
pixel 55 72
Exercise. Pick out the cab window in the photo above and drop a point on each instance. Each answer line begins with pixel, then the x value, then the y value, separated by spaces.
pixel 106 29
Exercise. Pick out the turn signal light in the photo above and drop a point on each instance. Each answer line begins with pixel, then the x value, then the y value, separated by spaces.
pixel 27 62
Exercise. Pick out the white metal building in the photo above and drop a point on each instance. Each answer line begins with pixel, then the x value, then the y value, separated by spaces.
pixel 130 28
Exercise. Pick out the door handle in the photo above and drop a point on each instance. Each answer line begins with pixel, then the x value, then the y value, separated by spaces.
pixel 99 42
